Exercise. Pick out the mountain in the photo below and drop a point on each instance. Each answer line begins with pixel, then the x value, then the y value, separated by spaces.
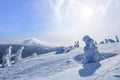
pixel 34 42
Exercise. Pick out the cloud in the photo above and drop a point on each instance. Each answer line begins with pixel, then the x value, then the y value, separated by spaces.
pixel 66 10
pixel 56 5
pixel 104 8
pixel 69 14
pixel 68 17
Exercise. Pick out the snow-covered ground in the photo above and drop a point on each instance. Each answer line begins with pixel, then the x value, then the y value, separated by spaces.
pixel 67 66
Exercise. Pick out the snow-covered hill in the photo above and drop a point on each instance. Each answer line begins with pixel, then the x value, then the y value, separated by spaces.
pixel 38 42
pixel 34 41
pixel 67 66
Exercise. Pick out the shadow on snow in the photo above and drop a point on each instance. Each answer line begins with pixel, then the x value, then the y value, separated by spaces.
pixel 90 68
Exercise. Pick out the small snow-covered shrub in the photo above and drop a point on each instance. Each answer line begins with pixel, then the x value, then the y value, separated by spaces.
pixel 60 50
pixel 34 55
pixel 111 41
pixel 102 42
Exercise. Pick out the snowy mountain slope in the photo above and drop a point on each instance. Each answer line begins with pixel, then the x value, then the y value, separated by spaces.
pixel 53 66
pixel 93 71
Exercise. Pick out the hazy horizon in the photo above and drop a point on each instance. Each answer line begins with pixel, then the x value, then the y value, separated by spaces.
pixel 59 21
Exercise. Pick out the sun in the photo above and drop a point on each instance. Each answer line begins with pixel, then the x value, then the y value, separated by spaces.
pixel 87 12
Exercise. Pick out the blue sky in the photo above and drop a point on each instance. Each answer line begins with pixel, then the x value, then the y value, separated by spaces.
pixel 24 18
pixel 62 21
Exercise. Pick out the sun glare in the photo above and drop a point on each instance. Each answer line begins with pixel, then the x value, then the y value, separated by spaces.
pixel 87 12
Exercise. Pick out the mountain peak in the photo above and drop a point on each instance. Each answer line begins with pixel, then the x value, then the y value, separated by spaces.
pixel 33 41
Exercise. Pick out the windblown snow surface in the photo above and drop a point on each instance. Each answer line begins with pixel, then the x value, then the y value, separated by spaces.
pixel 67 66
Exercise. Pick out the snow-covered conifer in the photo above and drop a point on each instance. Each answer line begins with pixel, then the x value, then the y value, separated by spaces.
pixel 6 57
pixel 106 41
pixel 18 57
pixel 117 39
pixel 91 53
pixel 76 44
pixel 95 42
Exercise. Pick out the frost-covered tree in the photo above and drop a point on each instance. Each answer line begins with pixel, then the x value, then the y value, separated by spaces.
pixel 95 42
pixel 102 42
pixel 60 50
pixel 111 41
pixel 76 44
pixel 91 53
pixel 106 41
pixel 117 39
pixel 18 57
pixel 6 57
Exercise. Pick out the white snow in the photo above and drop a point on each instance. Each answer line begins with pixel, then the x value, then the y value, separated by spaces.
pixel 67 66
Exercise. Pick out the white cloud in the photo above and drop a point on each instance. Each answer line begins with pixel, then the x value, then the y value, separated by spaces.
pixel 66 10
pixel 70 14
pixel 104 8
pixel 57 6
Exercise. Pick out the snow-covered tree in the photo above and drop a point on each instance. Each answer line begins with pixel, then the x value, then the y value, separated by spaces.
pixel 106 41
pixel 95 42
pixel 111 41
pixel 117 39
pixel 76 44
pixel 34 55
pixel 91 53
pixel 102 42
pixel 18 57
pixel 60 50
pixel 6 57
